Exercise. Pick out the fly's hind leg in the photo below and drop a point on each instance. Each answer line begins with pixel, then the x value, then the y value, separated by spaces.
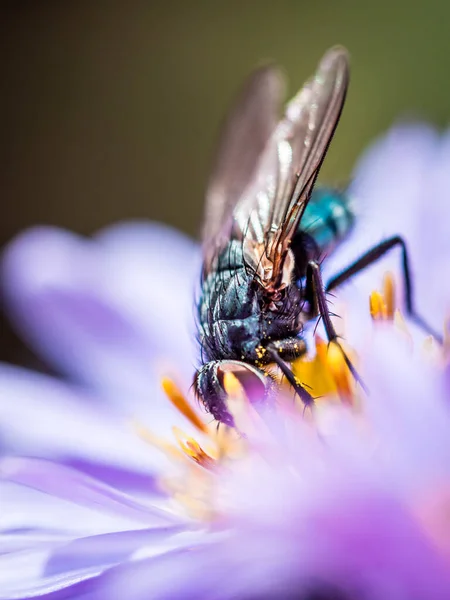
pixel 316 296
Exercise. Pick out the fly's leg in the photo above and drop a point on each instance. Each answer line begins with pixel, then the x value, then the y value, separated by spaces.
pixel 209 386
pixel 288 350
pixel 370 257
pixel 316 296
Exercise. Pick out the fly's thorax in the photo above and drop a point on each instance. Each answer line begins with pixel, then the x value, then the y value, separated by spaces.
pixel 263 256
pixel 283 316
pixel 328 218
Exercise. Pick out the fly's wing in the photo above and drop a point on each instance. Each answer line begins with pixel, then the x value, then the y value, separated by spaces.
pixel 244 136
pixel 270 210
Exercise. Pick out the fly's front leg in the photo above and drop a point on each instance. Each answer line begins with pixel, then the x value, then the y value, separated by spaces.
pixel 288 350
pixel 370 257
pixel 209 386
pixel 316 295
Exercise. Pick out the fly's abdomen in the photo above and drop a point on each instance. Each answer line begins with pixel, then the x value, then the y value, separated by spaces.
pixel 327 218
pixel 229 315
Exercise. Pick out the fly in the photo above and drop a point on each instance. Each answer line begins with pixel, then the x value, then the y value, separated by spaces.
pixel 266 230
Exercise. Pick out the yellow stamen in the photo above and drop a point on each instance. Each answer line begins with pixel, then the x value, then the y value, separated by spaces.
pixel 340 372
pixel 378 309
pixel 161 443
pixel 181 403
pixel 382 305
pixel 321 348
pixel 314 374
pixel 327 374
pixel 389 295
pixel 193 449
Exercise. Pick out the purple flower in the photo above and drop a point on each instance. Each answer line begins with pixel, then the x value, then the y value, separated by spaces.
pixel 101 499
pixel 401 186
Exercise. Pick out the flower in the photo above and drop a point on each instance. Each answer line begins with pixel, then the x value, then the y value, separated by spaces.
pixel 111 491
pixel 400 186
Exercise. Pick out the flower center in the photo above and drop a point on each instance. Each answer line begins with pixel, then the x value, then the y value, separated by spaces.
pixel 210 449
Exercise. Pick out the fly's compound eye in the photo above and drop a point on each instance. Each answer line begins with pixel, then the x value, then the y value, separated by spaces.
pixel 258 387
pixel 252 380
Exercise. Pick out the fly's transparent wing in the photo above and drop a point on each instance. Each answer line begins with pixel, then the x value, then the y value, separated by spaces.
pixel 314 115
pixel 271 208
pixel 244 135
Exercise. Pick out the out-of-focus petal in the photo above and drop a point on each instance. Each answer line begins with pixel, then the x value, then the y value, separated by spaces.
pixel 43 417
pixel 53 568
pixel 29 511
pixel 157 277
pixel 68 484
pixel 431 242
pixel 77 528
pixel 82 303
pixel 30 583
pixel 129 480
pixel 373 544
pixel 406 411
pixel 189 573
pixel 389 179
pixel 398 187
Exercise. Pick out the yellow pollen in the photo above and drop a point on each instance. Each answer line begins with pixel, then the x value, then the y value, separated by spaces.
pixel 377 307
pixel 389 294
pixel 147 436
pixel 182 404
pixel 192 449
pixel 340 372
pixel 382 305
pixel 317 374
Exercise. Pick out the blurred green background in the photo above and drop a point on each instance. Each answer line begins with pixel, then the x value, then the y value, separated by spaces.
pixel 110 110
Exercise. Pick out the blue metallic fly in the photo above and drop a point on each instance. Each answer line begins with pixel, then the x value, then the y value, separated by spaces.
pixel 266 231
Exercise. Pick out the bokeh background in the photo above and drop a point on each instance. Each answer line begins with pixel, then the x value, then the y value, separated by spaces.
pixel 109 110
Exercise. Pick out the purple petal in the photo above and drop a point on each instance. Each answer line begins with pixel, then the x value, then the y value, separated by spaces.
pixel 177 574
pixel 399 188
pixel 57 571
pixel 107 549
pixel 32 513
pixel 86 567
pixel 77 302
pixel 69 484
pixel 406 409
pixel 44 417
pixel 120 478
pixel 156 277
pixel 373 544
